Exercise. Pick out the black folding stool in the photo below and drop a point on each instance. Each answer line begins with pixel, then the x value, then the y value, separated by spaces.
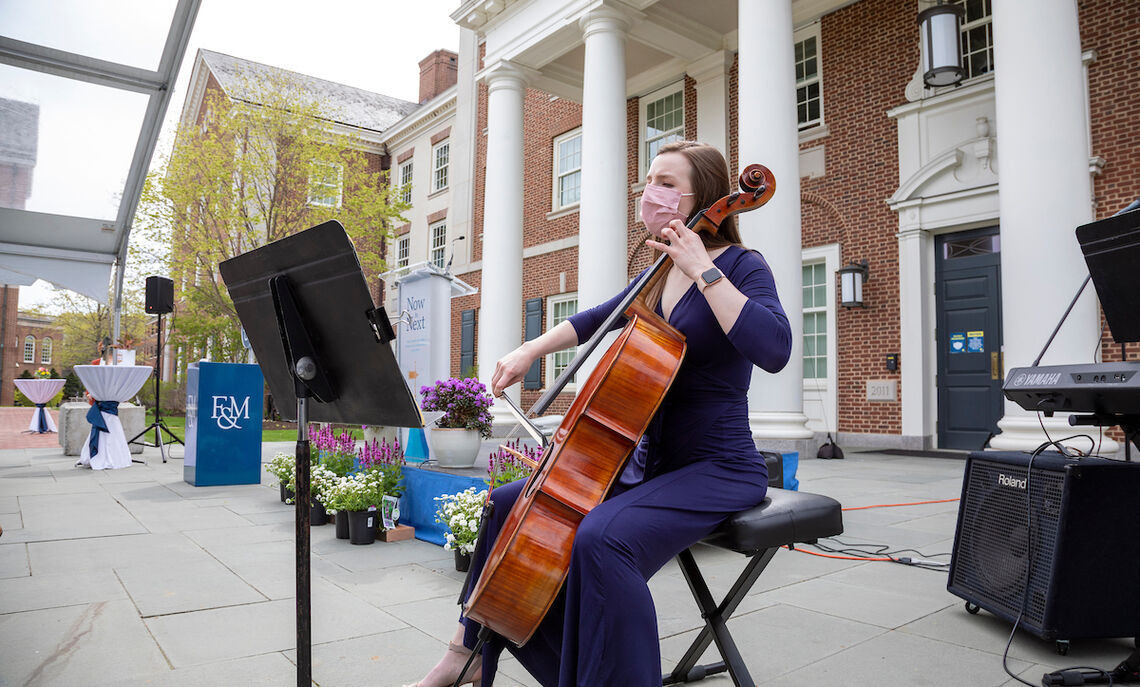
pixel 783 518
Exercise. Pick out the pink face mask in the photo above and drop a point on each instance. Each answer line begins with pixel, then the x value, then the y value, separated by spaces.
pixel 659 207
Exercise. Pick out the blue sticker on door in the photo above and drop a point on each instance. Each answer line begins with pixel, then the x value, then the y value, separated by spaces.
pixel 958 342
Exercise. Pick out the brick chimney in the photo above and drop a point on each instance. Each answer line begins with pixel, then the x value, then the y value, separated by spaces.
pixel 438 72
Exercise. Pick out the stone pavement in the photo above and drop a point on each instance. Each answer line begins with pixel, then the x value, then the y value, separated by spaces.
pixel 133 577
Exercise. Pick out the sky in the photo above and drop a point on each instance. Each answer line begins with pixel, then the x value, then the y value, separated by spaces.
pixel 88 133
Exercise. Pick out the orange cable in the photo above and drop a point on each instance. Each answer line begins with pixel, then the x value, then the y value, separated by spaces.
pixel 891 505
pixel 828 555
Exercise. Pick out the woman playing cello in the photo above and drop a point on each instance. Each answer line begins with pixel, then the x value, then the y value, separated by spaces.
pixel 696 464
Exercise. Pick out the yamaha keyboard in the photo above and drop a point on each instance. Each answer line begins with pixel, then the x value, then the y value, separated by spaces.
pixel 1108 388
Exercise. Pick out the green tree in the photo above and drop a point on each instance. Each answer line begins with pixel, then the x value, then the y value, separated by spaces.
pixel 85 322
pixel 255 170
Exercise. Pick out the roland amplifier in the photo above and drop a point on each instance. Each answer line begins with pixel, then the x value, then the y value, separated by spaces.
pixel 1071 529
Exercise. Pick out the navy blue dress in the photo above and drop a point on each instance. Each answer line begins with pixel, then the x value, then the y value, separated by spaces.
pixel 695 466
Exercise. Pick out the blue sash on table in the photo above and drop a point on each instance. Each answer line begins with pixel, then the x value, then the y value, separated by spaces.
pixel 43 417
pixel 98 424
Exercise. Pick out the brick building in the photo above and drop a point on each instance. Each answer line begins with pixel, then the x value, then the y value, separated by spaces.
pixel 32 342
pixel 355 114
pixel 962 200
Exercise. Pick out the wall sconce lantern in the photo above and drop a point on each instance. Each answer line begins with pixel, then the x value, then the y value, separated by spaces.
pixel 851 280
pixel 941 61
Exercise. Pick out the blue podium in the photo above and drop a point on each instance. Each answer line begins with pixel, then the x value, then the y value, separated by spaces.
pixel 223 424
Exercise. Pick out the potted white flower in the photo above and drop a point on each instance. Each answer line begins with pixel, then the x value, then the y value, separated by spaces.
pixel 461 513
pixel 283 466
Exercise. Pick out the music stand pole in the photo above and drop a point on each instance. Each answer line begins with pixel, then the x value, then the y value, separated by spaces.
pixel 302 502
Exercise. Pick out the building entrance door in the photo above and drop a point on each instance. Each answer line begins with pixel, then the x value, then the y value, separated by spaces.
pixel 968 310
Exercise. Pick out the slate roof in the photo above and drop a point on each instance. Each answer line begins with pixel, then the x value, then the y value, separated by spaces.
pixel 343 104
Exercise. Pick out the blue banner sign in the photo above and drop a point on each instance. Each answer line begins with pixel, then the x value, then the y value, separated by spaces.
pixel 223 424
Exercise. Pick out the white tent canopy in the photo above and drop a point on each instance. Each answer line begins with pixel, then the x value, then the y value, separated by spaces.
pixel 79 131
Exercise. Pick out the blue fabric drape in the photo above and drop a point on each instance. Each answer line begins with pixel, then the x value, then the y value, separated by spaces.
pixel 98 424
pixel 43 427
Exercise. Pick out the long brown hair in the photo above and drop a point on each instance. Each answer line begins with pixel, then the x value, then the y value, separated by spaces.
pixel 710 182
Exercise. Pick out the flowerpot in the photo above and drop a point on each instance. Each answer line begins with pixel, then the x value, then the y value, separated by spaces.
pixel 361 526
pixel 286 493
pixel 342 525
pixel 317 514
pixel 454 448
pixel 462 560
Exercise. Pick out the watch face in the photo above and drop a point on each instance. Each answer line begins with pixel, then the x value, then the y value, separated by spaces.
pixel 711 275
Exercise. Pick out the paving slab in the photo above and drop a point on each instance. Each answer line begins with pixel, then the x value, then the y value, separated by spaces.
pixel 158 589
pixel 893 659
pixel 105 553
pixel 74 516
pixel 42 591
pixel 69 645
pixel 264 670
pixel 227 633
pixel 14 560
pixel 882 606
pixel 778 640
pixel 397 584
pixel 185 517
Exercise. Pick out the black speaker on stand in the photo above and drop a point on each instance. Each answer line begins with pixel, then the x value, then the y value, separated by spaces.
pixel 159 301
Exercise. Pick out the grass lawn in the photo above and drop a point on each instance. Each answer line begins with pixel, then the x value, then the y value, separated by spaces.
pixel 270 431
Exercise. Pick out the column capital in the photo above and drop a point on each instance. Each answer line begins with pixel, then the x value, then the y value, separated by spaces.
pixel 506 74
pixel 607 18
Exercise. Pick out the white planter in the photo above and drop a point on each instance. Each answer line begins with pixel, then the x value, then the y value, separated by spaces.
pixel 454 448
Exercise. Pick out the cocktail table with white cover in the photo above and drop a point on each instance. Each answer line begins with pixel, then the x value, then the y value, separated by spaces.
pixel 114 383
pixel 40 391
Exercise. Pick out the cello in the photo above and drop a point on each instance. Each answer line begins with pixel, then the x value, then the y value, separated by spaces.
pixel 530 559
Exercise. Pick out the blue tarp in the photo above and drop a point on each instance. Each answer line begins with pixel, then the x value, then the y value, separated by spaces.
pixel 418 505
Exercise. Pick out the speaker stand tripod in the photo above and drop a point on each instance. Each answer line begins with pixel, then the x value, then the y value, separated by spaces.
pixel 158 425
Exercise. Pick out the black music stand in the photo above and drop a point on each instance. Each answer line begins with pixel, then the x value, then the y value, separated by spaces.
pixel 318 337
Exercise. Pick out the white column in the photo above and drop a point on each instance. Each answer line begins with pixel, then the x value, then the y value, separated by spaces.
pixel 500 305
pixel 915 330
pixel 602 214
pixel 711 75
pixel 1045 191
pixel 768 134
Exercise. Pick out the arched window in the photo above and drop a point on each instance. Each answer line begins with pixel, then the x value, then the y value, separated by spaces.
pixel 45 351
pixel 29 349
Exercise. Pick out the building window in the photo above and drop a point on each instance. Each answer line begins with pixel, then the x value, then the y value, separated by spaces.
pixel 440 155
pixel 663 114
pixel 815 321
pixel 568 169
pixel 809 93
pixel 402 245
pixel 438 243
pixel 326 179
pixel 29 349
pixel 45 351
pixel 406 182
pixel 977 37
pixel 559 308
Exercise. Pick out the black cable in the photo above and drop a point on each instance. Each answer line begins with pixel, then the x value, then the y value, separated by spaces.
pixel 879 551
pixel 1029 554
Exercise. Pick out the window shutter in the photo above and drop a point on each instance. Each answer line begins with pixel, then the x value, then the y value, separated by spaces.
pixel 466 342
pixel 533 379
